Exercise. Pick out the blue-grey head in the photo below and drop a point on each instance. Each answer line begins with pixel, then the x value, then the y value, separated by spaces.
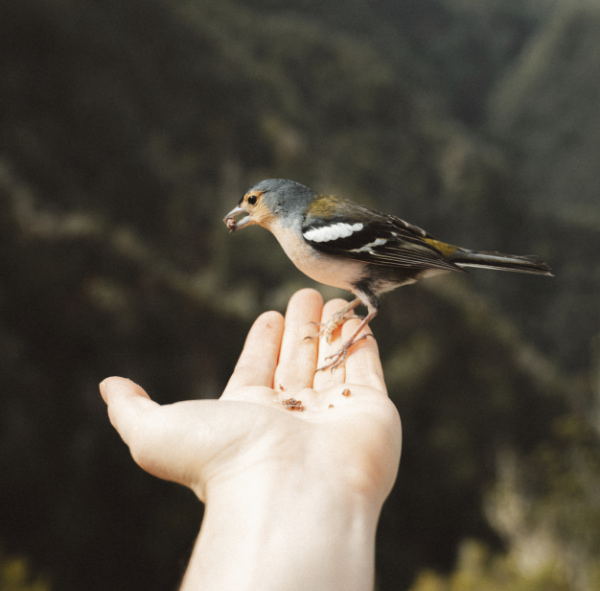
pixel 271 200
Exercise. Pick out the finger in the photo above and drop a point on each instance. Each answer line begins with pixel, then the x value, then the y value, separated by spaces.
pixel 155 435
pixel 327 378
pixel 363 365
pixel 258 360
pixel 128 405
pixel 298 355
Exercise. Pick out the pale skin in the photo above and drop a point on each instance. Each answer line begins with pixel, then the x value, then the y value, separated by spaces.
pixel 292 496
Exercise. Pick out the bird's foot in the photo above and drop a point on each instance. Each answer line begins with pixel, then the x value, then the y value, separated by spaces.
pixel 339 357
pixel 327 329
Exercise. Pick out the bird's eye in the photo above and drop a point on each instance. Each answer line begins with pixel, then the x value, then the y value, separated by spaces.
pixel 252 199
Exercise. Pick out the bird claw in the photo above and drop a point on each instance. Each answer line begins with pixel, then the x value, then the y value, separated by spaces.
pixel 328 328
pixel 339 357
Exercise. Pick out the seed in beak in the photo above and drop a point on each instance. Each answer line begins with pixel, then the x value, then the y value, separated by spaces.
pixel 231 222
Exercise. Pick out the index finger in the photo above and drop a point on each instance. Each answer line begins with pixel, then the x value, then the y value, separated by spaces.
pixel 258 359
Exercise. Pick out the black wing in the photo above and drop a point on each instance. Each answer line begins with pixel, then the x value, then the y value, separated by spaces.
pixel 367 235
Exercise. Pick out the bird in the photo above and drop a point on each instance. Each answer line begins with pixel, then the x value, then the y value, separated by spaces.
pixel 341 243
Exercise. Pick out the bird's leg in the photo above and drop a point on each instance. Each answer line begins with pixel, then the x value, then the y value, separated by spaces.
pixel 340 356
pixel 329 327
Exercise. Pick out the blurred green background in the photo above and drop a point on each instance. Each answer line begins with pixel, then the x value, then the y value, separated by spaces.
pixel 128 129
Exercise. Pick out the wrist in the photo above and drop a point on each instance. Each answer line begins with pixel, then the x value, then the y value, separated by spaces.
pixel 287 530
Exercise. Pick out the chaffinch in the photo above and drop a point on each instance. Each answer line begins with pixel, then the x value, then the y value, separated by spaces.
pixel 343 244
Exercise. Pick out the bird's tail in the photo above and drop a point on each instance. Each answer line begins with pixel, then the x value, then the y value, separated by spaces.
pixel 500 262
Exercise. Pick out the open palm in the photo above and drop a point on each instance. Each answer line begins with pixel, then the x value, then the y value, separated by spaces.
pixel 278 417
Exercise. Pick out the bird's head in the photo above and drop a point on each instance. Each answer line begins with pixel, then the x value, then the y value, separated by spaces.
pixel 271 201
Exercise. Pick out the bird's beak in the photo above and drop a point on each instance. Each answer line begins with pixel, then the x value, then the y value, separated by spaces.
pixel 232 223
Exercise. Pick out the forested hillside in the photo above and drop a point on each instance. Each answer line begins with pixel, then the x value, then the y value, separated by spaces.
pixel 129 129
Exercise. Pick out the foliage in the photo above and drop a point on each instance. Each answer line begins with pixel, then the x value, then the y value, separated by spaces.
pixel 15 575
pixel 546 507
pixel 546 106
pixel 479 570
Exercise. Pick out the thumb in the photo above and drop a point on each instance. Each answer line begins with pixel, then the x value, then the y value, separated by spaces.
pixel 129 407
pixel 158 436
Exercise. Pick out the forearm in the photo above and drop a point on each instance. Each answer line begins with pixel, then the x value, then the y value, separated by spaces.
pixel 285 537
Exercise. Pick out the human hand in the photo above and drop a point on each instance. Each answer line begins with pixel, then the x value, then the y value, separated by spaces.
pixel 324 463
pixel 346 419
